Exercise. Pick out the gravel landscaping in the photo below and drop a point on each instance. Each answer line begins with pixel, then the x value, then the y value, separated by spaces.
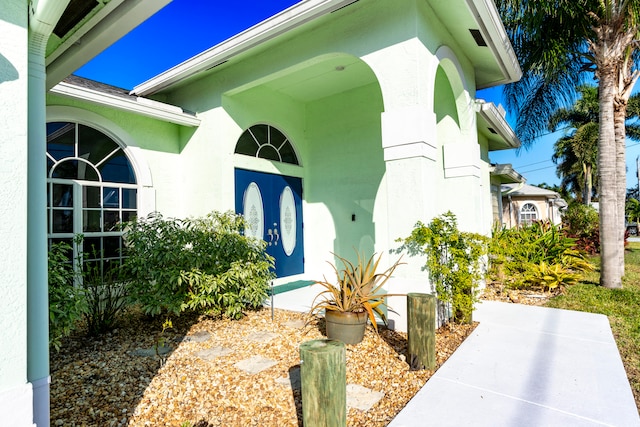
pixel 224 373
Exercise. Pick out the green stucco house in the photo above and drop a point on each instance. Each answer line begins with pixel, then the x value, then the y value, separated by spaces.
pixel 335 125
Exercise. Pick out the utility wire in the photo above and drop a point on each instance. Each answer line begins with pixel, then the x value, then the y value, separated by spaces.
pixel 544 161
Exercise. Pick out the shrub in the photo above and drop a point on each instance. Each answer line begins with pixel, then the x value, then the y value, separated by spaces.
pixel 538 255
pixel 67 302
pixel 581 223
pixel 207 263
pixel 105 292
pixel 454 261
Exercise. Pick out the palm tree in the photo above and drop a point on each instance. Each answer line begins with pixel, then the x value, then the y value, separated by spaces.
pixel 576 153
pixel 576 157
pixel 560 44
pixel 633 210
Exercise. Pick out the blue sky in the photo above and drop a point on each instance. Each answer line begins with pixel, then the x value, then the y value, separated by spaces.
pixel 185 28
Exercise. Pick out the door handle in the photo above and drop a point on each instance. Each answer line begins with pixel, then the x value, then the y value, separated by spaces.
pixel 270 234
pixel 275 233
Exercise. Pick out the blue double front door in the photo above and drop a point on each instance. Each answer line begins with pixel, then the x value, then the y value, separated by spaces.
pixel 272 206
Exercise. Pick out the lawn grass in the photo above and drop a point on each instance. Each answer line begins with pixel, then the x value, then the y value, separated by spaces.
pixel 621 306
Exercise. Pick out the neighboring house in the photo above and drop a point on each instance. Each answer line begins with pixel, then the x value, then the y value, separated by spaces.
pixel 501 174
pixel 354 119
pixel 523 204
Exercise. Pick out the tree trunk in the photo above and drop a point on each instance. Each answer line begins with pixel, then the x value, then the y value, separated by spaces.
pixel 611 245
pixel 588 185
pixel 620 113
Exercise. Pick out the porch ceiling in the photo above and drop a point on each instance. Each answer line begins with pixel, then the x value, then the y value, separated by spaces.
pixel 329 77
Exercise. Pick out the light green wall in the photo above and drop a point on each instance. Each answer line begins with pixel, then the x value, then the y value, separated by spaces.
pixel 144 130
pixel 444 100
pixel 13 196
pixel 346 168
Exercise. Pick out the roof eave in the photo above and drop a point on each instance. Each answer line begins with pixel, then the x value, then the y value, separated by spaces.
pixel 137 105
pixel 497 40
pixel 507 174
pixel 262 32
pixel 485 12
pixel 100 32
pixel 494 117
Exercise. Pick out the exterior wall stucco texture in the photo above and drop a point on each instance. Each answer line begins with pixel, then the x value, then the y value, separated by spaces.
pixel 13 193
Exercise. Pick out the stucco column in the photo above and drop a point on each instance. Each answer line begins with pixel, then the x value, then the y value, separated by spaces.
pixel 410 156
pixel 41 24
pixel 406 74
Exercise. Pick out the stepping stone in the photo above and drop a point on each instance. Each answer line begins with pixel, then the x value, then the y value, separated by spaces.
pixel 295 324
pixel 292 380
pixel 255 364
pixel 200 336
pixel 261 336
pixel 362 398
pixel 213 352
pixel 149 352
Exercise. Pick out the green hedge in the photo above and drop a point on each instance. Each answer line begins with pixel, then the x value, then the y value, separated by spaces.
pixel 203 263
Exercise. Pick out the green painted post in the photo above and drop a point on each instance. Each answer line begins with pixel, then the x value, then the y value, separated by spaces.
pixel 323 374
pixel 421 330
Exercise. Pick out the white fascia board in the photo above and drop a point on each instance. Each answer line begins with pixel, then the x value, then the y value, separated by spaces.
pixel 137 105
pixel 496 38
pixel 295 16
pixel 103 31
pixel 505 169
pixel 84 29
pixel 497 121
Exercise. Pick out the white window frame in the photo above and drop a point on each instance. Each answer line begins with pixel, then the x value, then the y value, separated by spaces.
pixel 521 212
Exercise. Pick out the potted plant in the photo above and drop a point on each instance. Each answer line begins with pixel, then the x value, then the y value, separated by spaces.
pixel 353 299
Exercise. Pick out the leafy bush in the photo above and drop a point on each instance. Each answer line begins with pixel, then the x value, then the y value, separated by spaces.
pixel 105 292
pixel 538 255
pixel 67 302
pixel 551 276
pixel 581 223
pixel 454 261
pixel 173 265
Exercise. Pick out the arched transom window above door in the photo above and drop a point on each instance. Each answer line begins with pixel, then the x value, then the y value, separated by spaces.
pixel 266 142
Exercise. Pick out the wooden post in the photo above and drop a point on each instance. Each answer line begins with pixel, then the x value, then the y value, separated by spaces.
pixel 323 374
pixel 421 331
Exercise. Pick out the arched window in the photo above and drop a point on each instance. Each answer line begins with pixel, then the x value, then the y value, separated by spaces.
pixel 266 142
pixel 91 188
pixel 528 214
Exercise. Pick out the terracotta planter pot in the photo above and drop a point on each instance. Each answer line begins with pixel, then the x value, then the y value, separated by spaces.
pixel 347 327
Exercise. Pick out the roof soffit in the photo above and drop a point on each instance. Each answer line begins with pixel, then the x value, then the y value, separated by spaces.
pixel 495 64
pixel 100 27
pixel 493 125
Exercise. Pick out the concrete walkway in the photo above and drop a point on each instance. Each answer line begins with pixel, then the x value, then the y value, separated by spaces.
pixel 528 366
